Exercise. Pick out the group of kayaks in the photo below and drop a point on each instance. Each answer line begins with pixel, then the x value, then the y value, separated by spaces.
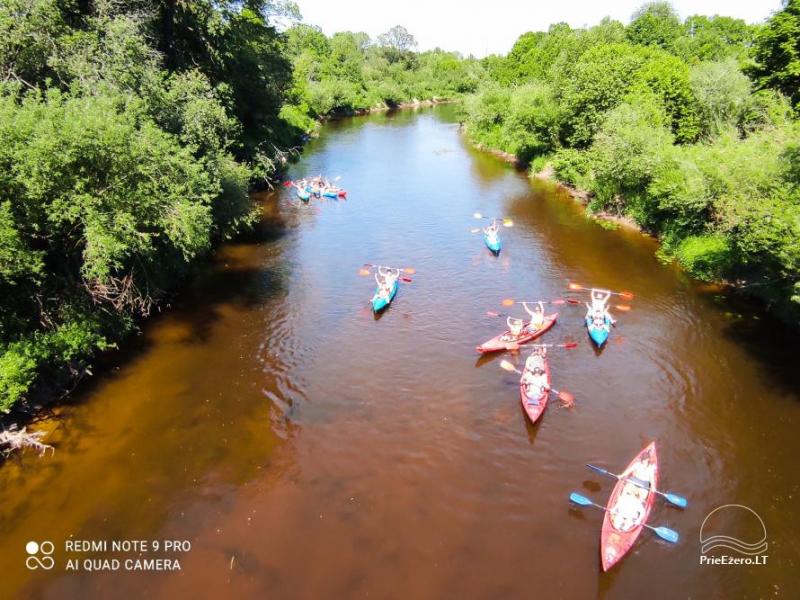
pixel 631 501
pixel 629 506
pixel 318 187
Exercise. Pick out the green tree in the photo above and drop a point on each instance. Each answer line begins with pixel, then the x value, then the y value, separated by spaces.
pixel 777 52
pixel 655 24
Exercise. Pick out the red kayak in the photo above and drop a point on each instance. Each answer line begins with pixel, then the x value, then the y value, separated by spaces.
pixel 629 507
pixel 506 341
pixel 535 404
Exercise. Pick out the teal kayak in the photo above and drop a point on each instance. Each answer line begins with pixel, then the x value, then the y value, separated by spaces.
pixel 380 302
pixel 493 243
pixel 303 194
pixel 599 335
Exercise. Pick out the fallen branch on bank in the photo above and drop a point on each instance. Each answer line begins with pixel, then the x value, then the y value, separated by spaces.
pixel 16 439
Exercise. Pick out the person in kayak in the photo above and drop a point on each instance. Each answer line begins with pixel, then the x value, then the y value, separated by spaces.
pixel 491 230
pixel 514 327
pixel 643 472
pixel 535 382
pixel 597 311
pixel 627 512
pixel 536 359
pixel 537 316
pixel 385 278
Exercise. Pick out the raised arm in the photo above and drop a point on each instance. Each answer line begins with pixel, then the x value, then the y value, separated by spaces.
pixel 527 310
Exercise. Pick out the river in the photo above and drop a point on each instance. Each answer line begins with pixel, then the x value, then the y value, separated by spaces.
pixel 307 449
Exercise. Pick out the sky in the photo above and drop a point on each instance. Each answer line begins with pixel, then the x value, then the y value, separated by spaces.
pixel 492 26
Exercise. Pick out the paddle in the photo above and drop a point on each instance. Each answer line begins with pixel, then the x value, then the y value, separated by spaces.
pixel 672 498
pixel 626 295
pixel 565 397
pixel 665 533
pixel 408 270
pixel 401 278
pixel 506 221
pixel 511 302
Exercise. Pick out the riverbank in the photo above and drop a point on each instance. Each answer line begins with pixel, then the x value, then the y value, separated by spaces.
pixel 772 300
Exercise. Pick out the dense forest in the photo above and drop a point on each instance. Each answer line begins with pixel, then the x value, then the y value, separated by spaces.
pixel 687 127
pixel 132 131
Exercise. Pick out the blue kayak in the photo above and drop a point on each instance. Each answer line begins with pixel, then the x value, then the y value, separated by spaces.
pixel 599 335
pixel 493 244
pixel 381 302
pixel 303 194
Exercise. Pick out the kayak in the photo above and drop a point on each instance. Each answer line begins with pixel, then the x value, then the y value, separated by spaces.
pixel 502 341
pixel 534 405
pixel 380 302
pixel 616 542
pixel 334 193
pixel 303 194
pixel 599 335
pixel 493 243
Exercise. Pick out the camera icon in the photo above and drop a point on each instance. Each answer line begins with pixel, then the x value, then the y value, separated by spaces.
pixel 40 555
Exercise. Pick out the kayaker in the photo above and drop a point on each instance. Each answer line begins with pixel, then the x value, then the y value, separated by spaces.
pixel 537 316
pixel 627 512
pixel 385 277
pixel 515 326
pixel 491 229
pixel 535 382
pixel 643 472
pixel 536 359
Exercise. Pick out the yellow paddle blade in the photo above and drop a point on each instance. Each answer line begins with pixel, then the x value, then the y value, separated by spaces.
pixel 477 215
pixel 363 271
pixel 507 366
pixel 575 286
pixel 508 302
pixel 409 270
pixel 622 307
pixel 508 223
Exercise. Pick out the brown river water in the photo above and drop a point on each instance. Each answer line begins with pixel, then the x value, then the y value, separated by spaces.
pixel 306 449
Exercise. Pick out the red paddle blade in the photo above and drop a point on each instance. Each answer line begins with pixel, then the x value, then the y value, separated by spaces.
pixel 626 295
pixel 508 302
pixel 507 366
pixel 575 286
pixel 622 307
pixel 570 345
pixel 363 271
pixel 573 301
pixel 406 279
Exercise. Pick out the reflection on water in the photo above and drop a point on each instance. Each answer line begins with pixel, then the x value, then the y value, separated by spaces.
pixel 307 449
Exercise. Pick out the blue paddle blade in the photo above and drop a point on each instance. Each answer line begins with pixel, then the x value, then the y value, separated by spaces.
pixel 675 499
pixel 578 499
pixel 599 470
pixel 665 533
